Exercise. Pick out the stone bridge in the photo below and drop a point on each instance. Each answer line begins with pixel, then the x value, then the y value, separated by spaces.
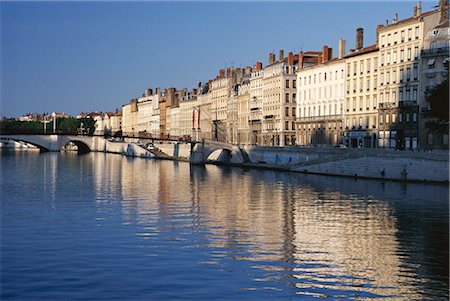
pixel 199 152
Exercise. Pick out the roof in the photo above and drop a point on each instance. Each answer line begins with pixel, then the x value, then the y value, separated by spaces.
pixel 364 50
pixel 401 22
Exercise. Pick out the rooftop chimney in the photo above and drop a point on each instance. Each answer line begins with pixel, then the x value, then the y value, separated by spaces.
pixel 359 38
pixel 300 60
pixel 229 71
pixel 221 73
pixel 158 90
pixel 258 66
pixel 148 92
pixel 387 22
pixel 281 54
pixel 271 58
pixel 419 9
pixel 325 53
pixel 341 49
pixel 199 85
pixel 290 58
pixel 379 26
pixel 395 20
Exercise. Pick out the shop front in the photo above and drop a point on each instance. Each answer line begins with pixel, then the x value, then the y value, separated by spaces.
pixel 360 139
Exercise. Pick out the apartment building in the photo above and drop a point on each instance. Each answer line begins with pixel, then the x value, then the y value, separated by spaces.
pixel 434 62
pixel 279 100
pixel 255 104
pixel 243 112
pixel 399 46
pixel 320 95
pixel 361 98
pixel 142 114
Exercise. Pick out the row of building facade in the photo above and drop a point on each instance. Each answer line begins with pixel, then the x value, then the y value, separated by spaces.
pixel 371 96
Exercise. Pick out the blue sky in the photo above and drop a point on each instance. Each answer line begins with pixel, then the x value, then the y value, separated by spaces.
pixel 87 56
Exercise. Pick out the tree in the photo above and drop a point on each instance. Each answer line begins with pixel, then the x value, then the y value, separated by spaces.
pixel 439 103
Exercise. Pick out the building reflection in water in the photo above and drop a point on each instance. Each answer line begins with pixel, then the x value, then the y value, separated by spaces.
pixel 318 235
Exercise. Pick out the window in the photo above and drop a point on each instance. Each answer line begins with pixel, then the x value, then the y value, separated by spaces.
pixel 354 104
pixel 368 66
pixel 287 97
pixel 408 95
pixel 393 117
pixel 382 59
pixel 402 55
pixel 287 111
pixel 368 84
pixel 314 78
pixel 409 54
pixel 388 77
pixel 414 117
pixel 409 34
pixel 395 37
pixel 381 78
pixel 382 41
pixel 361 67
pixel 387 118
pixel 287 83
pixel 400 95
pixel 389 39
pixel 348 104
pixel 407 117
pixel 394 75
pixel 394 96
pixel 408 73
pixel 402 36
pixel 374 99
pixel 416 71
pixel 402 74
pixel 416 52
pixel 294 97
pixel 367 102
pixel 354 68
pixel 325 76
pixel 286 125
pixel 417 32
pixel 375 64
pixel 293 112
pixel 388 58
pixel 400 117
pixel 381 118
pixel 360 84
pixel 415 94
pixel 394 57
pixel 430 64
pixel 348 69
pixel 375 77
pixel 360 103
pixel 294 84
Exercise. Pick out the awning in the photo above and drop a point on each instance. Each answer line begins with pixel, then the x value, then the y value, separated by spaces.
pixel 431 62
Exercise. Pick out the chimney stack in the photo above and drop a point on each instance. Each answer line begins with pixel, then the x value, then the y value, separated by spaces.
pixel 290 58
pixel 258 66
pixel 199 85
pixel 300 60
pixel 395 20
pixel 221 73
pixel 148 92
pixel 325 57
pixel 157 90
pixel 419 9
pixel 271 58
pixel 281 54
pixel 359 38
pixel 341 49
pixel 229 71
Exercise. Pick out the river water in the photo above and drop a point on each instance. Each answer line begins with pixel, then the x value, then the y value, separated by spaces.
pixel 107 227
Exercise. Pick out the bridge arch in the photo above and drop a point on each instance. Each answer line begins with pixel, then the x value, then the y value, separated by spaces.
pixel 41 148
pixel 82 147
pixel 218 155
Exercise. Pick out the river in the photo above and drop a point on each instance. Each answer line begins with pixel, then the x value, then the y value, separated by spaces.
pixel 107 227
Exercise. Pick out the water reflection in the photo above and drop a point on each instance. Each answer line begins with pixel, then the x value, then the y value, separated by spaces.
pixel 288 234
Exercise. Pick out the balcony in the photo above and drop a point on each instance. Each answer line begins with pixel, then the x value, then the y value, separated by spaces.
pixel 407 103
pixel 338 117
pixel 434 51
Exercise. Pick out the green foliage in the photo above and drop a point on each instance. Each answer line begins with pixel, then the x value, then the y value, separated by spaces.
pixel 12 126
pixel 439 102
pixel 64 126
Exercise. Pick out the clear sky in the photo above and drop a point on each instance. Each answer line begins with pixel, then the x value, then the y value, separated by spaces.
pixel 95 56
